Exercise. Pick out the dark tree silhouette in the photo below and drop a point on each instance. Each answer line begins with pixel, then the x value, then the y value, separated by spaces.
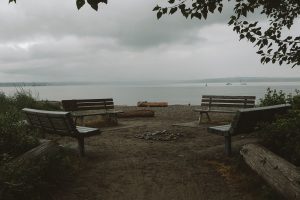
pixel 272 46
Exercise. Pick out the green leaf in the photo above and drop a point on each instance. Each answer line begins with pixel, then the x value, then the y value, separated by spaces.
pixel 173 10
pixel 156 8
pixel 165 10
pixel 94 4
pixel 220 9
pixel 80 3
pixel 159 14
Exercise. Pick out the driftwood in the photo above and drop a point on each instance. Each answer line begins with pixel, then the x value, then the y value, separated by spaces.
pixel 136 113
pixel 35 155
pixel 280 174
pixel 152 104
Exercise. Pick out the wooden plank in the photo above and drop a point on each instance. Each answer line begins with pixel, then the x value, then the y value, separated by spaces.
pixel 280 174
pixel 228 105
pixel 94 104
pixel 221 130
pixel 228 97
pixel 245 120
pixel 90 100
pixel 94 108
pixel 229 101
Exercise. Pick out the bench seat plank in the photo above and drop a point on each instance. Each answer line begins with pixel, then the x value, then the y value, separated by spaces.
pixel 81 108
pixel 222 130
pixel 246 120
pixel 213 103
pixel 88 131
pixel 98 113
pixel 60 123
pixel 219 111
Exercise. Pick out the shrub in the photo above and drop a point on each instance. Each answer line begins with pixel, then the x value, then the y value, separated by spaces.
pixel 38 181
pixel 272 97
pixel 14 138
pixel 283 137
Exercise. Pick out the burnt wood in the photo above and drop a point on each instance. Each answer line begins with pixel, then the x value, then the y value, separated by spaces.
pixel 101 106
pixel 220 104
pixel 246 120
pixel 61 123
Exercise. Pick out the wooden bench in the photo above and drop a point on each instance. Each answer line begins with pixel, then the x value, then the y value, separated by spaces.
pixel 79 108
pixel 220 104
pixel 246 120
pixel 60 123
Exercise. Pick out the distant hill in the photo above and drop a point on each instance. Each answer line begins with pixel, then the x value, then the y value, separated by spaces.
pixel 212 80
pixel 245 79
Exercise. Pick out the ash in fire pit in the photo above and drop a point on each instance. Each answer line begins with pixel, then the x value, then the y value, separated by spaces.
pixel 163 135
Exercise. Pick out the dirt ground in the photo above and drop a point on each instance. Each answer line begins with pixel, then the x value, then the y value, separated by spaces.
pixel 119 165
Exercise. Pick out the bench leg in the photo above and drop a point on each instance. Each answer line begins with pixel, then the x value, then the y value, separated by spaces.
pixel 114 118
pixel 81 145
pixel 200 118
pixel 208 117
pixel 228 145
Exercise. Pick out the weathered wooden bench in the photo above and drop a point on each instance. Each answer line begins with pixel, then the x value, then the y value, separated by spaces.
pixel 60 123
pixel 246 120
pixel 79 108
pixel 221 104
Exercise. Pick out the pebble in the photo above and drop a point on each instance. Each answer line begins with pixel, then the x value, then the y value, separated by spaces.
pixel 163 135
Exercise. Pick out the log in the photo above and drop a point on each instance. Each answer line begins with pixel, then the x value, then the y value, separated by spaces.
pixel 136 113
pixel 35 155
pixel 152 104
pixel 277 172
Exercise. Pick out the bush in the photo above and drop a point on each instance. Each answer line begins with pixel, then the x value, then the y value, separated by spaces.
pixel 272 97
pixel 14 138
pixel 38 181
pixel 34 182
pixel 283 137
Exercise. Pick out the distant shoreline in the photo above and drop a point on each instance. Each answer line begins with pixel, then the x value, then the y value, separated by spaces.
pixel 212 80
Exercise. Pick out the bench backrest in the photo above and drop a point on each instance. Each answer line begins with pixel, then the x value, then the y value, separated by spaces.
pixel 87 104
pixel 51 121
pixel 246 120
pixel 228 101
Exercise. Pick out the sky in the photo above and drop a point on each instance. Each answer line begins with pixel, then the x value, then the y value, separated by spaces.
pixel 53 41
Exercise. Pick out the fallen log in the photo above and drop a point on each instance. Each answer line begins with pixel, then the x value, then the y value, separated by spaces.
pixel 152 104
pixel 280 174
pixel 136 113
pixel 35 155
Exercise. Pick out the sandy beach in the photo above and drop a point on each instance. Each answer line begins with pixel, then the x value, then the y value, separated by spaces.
pixel 191 165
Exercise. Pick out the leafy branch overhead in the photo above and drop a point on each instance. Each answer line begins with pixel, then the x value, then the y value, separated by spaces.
pixel 272 46
pixel 79 3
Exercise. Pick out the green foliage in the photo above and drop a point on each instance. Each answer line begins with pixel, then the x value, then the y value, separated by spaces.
pixel 272 97
pixel 38 181
pixel 34 182
pixel 296 101
pixel 283 137
pixel 272 46
pixel 14 137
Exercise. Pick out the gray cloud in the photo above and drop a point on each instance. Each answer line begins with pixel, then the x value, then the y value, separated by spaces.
pixel 52 41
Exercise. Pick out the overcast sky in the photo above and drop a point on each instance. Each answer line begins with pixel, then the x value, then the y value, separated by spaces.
pixel 53 41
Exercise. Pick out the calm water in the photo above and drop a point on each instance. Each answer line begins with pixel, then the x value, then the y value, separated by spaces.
pixel 172 93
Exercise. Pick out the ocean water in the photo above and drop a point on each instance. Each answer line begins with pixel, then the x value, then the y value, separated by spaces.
pixel 187 93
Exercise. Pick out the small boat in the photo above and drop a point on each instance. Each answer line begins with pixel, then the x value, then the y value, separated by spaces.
pixel 228 84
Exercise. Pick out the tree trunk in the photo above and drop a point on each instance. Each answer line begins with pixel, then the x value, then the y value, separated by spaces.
pixel 152 104
pixel 136 113
pixel 280 174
